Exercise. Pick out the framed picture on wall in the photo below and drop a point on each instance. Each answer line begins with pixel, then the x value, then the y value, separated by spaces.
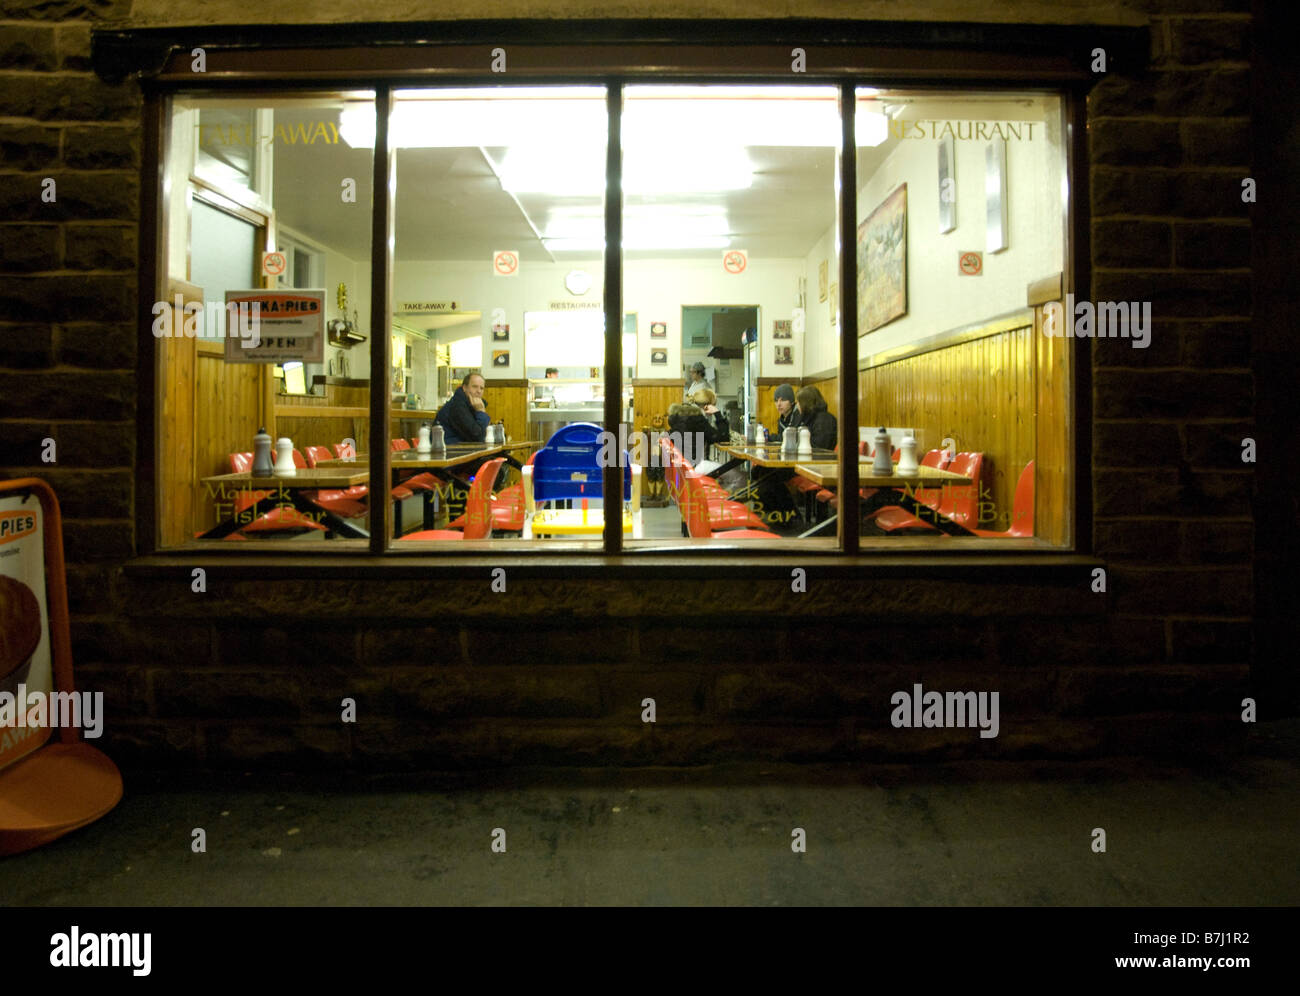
pixel 882 263
pixel 781 329
pixel 821 281
pixel 784 356
pixel 501 357
pixel 835 304
pixel 659 357
pixel 658 330
pixel 947 185
pixel 995 194
pixel 500 333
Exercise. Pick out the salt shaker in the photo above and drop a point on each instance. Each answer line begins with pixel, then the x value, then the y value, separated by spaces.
pixel 284 465
pixel 262 466
pixel 790 440
pixel 907 466
pixel 751 429
pixel 805 441
pixel 882 465
pixel 437 438
pixel 422 446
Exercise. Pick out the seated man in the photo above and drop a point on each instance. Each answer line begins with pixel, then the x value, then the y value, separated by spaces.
pixel 787 414
pixel 464 417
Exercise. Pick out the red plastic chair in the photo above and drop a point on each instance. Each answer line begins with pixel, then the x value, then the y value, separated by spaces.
pixel 926 496
pixel 1022 509
pixel 507 507
pixel 332 499
pixel 315 454
pixel 275 521
pixel 960 504
pixel 722 512
pixel 478 522
pixel 699 519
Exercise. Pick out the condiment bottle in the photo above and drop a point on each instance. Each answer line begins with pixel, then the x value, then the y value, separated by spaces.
pixel 437 438
pixel 790 440
pixel 262 465
pixel 907 465
pixel 805 441
pixel 284 465
pixel 422 446
pixel 882 465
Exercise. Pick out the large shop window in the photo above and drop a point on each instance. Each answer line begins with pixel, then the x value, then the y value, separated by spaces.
pixel 730 339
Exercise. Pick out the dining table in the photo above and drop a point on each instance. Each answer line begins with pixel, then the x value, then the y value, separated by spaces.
pixel 280 492
pixel 768 457
pixel 448 458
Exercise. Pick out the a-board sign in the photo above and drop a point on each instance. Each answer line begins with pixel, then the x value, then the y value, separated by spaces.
pixel 25 667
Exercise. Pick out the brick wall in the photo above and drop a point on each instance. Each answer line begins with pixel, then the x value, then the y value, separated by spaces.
pixel 255 672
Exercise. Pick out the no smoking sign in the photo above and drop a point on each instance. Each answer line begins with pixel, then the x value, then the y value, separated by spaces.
pixel 970 264
pixel 274 263
pixel 505 263
pixel 735 260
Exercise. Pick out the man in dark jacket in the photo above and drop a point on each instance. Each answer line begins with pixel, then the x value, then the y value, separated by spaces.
pixel 787 414
pixel 464 417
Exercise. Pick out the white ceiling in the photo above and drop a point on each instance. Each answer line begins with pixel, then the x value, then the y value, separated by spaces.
pixel 450 204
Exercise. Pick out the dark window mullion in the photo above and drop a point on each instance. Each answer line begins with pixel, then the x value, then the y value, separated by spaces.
pixel 848 214
pixel 384 189
pixel 613 479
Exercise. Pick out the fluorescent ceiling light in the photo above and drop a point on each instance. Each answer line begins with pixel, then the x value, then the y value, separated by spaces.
pixel 657 124
pixel 581 172
pixel 644 227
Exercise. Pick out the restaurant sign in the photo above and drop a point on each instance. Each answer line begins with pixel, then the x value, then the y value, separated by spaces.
pixel 291 326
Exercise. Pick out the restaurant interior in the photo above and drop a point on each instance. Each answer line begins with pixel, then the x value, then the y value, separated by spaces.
pixel 732 259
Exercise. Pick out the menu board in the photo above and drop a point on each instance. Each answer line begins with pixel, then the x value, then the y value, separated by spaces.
pixel 26 674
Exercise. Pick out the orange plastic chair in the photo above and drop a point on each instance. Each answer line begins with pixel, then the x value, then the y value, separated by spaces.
pixel 479 519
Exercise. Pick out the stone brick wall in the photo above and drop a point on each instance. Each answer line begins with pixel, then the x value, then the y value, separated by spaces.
pixel 555 671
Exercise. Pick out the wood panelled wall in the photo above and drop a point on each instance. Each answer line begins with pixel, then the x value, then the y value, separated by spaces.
pixel 307 430
pixel 227 420
pixel 1053 473
pixel 981 392
pixel 507 401
pixel 651 399
pixel 210 409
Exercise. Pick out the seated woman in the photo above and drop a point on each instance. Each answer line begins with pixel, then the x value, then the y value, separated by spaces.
pixel 700 425
pixel 814 417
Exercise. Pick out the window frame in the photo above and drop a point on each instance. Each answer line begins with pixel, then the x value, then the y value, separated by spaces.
pixel 848 55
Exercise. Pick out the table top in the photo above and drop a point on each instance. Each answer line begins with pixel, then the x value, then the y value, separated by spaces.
pixel 306 477
pixel 569 520
pixel 827 474
pixel 770 455
pixel 457 454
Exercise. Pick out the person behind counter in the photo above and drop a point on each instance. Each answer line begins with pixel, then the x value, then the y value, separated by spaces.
pixel 697 381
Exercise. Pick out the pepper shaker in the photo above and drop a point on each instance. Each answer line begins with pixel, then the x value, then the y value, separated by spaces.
pixel 262 465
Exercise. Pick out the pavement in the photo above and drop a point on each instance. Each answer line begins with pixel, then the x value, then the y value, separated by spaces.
pixel 940 835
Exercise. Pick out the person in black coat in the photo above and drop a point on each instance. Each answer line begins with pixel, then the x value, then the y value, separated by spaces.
pixel 696 422
pixel 814 417
pixel 464 417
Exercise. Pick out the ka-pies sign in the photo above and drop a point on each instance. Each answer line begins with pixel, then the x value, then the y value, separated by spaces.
pixel 505 263
pixel 290 325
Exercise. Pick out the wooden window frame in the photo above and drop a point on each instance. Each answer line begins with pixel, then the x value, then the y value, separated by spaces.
pixel 385 57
